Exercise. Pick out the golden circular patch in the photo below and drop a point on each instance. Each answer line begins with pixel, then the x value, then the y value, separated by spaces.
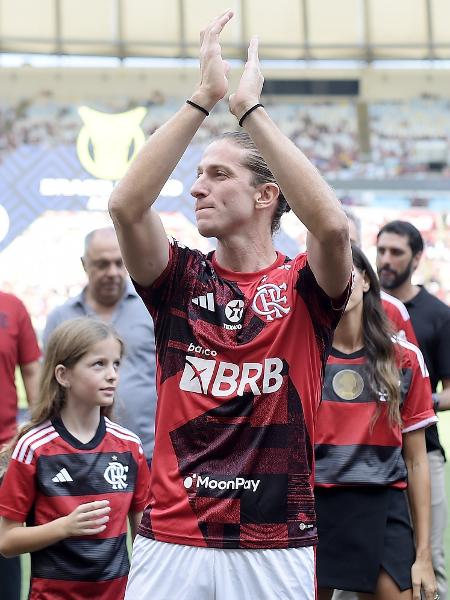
pixel 348 384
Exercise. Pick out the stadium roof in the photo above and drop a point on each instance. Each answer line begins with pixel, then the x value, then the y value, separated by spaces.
pixel 365 30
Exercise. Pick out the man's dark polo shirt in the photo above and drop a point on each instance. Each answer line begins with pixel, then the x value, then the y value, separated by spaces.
pixel 431 321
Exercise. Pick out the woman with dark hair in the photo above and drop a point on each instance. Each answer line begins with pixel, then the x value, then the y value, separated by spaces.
pixel 370 447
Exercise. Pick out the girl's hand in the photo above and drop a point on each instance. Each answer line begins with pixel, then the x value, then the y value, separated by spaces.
pixel 250 85
pixel 213 69
pixel 87 519
pixel 423 579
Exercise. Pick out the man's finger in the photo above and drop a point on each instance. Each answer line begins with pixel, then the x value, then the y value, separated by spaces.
pixel 218 24
pixel 252 54
pixel 219 21
pixel 226 16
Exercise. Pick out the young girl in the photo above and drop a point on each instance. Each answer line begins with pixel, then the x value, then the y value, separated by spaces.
pixel 74 475
pixel 370 446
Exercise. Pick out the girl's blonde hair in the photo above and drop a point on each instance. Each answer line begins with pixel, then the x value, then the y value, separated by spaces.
pixel 68 343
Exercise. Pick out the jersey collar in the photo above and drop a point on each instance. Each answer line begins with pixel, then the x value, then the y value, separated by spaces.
pixel 73 441
pixel 338 354
pixel 245 276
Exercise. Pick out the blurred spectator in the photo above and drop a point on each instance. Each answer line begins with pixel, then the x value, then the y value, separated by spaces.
pixel 18 347
pixel 110 297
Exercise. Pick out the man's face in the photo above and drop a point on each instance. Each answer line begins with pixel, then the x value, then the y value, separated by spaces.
pixel 105 269
pixel 225 197
pixel 361 284
pixel 395 260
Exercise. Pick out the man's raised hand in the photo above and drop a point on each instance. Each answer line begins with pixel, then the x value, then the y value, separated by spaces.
pixel 250 85
pixel 214 70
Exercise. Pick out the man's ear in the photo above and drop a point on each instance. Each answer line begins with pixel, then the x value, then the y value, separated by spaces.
pixel 266 195
pixel 416 260
pixel 62 376
pixel 366 282
pixel 83 262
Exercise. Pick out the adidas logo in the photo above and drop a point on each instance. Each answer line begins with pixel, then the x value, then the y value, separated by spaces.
pixel 205 301
pixel 62 477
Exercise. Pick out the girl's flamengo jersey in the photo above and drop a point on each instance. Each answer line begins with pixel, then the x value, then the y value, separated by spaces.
pixel 353 449
pixel 49 475
pixel 240 365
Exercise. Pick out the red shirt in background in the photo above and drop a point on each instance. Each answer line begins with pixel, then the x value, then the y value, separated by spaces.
pixel 18 346
pixel 398 315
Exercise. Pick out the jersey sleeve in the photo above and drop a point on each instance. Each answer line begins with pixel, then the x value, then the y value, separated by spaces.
pixel 18 490
pixel 399 318
pixel 28 347
pixel 140 495
pixel 417 410
pixel 179 274
pixel 409 332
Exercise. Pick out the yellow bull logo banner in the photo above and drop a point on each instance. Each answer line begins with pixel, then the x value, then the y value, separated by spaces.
pixel 107 143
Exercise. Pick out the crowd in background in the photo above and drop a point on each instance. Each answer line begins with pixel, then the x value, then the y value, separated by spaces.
pixel 326 132
pixel 402 133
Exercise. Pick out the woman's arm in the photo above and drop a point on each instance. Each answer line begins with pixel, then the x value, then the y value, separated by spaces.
pixel 135 519
pixel 86 519
pixel 415 455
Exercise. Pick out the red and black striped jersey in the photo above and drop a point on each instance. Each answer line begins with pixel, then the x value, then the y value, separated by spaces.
pixel 49 475
pixel 398 315
pixel 240 365
pixel 355 442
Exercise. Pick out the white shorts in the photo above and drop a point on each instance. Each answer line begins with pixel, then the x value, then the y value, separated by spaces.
pixel 162 571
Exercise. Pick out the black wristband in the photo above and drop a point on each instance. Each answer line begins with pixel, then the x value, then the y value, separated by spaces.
pixel 198 107
pixel 241 120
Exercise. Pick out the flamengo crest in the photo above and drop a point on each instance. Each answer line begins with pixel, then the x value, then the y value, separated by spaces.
pixel 269 301
pixel 116 474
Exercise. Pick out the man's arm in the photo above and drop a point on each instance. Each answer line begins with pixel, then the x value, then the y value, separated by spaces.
pixel 30 375
pixel 441 399
pixel 307 193
pixel 443 364
pixel 142 238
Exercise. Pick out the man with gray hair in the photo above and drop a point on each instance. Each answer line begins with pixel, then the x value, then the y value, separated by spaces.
pixel 110 297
